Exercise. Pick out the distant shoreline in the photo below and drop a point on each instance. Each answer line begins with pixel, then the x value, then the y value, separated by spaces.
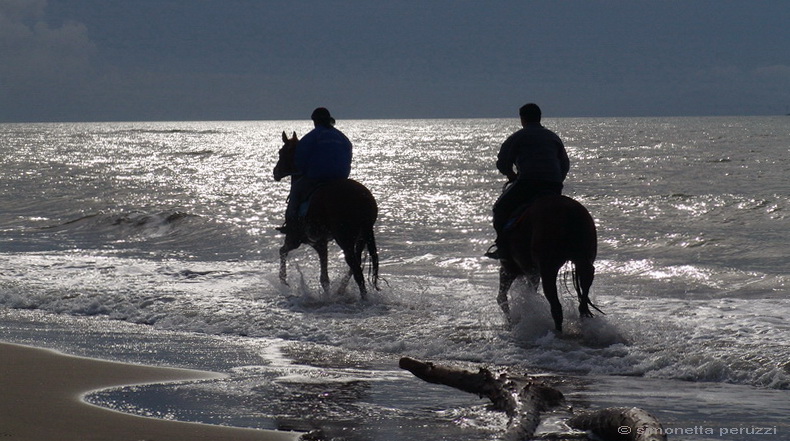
pixel 340 122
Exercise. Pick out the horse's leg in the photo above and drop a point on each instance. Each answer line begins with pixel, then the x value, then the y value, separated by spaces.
pixel 370 243
pixel 321 248
pixel 533 280
pixel 585 272
pixel 506 279
pixel 287 247
pixel 283 257
pixel 549 277
pixel 344 282
pixel 353 255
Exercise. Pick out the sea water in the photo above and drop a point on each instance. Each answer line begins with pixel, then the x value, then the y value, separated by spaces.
pixel 155 243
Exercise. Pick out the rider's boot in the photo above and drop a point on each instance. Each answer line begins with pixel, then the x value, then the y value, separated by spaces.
pixel 294 232
pixel 496 251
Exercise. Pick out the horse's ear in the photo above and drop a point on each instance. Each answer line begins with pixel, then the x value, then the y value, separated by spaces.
pixel 294 137
pixel 285 137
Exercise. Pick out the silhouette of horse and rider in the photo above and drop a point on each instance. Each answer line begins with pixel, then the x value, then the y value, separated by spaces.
pixel 324 204
pixel 538 229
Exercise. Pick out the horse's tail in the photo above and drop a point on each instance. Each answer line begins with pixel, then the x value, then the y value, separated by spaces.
pixel 370 241
pixel 583 273
pixel 584 236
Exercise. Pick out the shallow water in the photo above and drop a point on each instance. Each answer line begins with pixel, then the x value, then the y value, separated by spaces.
pixel 135 235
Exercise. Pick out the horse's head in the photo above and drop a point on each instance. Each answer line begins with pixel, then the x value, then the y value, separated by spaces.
pixel 285 165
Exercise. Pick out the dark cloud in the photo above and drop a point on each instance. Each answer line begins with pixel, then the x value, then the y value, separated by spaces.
pixel 43 66
pixel 231 59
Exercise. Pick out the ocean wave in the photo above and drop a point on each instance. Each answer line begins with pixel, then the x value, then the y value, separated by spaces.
pixel 421 316
pixel 196 153
pixel 154 233
pixel 173 131
pixel 130 224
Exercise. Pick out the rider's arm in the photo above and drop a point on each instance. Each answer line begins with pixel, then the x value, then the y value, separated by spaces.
pixel 505 160
pixel 565 163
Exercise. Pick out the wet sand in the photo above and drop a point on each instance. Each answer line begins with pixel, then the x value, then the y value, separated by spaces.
pixel 41 400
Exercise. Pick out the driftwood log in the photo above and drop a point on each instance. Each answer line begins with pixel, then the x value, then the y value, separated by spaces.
pixel 620 423
pixel 524 400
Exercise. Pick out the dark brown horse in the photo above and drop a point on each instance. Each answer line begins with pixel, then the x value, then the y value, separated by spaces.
pixel 552 231
pixel 343 210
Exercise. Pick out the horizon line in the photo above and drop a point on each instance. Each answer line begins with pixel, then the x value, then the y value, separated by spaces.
pixel 515 117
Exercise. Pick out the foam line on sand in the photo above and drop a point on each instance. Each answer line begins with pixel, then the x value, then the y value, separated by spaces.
pixel 41 395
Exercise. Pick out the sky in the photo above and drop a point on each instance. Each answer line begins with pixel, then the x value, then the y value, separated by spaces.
pixel 161 60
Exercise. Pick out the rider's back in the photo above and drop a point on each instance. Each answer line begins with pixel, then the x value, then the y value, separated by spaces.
pixel 537 152
pixel 323 154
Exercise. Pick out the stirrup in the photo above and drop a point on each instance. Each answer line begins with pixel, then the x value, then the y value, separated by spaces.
pixel 493 252
pixel 288 227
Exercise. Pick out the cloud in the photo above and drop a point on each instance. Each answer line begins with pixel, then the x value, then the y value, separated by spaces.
pixel 101 60
pixel 22 9
pixel 38 56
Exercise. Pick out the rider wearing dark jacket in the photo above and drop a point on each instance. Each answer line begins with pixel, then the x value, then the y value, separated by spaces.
pixel 322 155
pixel 541 163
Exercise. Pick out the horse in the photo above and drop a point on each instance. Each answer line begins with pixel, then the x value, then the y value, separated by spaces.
pixel 554 230
pixel 343 210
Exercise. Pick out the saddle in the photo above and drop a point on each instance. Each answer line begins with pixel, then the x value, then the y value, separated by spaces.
pixel 516 217
pixel 519 214
pixel 304 205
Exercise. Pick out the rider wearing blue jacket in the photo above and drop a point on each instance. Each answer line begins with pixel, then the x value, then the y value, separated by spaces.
pixel 322 155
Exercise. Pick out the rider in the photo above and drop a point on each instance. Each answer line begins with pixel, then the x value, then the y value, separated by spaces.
pixel 541 166
pixel 322 155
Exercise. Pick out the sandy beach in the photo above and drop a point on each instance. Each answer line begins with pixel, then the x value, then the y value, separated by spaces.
pixel 41 400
